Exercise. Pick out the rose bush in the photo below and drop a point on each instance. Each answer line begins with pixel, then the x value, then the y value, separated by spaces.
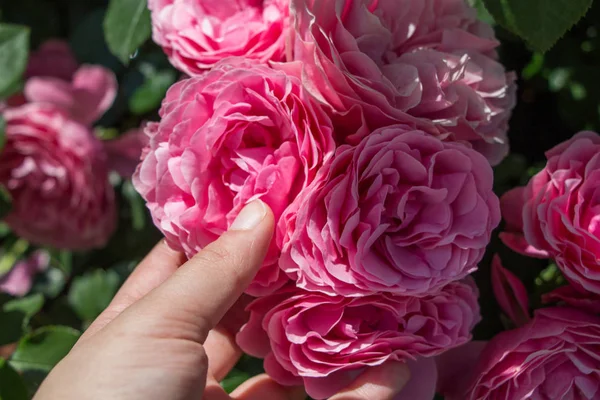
pixel 324 342
pixel 55 171
pixel 241 131
pixel 197 34
pixel 556 356
pixel 403 212
pixel 560 211
pixel 428 63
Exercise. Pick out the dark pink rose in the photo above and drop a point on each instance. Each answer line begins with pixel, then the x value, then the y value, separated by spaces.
pixel 512 205
pixel 53 59
pixel 240 132
pixel 197 34
pixel 510 293
pixel 403 212
pixel 561 213
pixel 125 151
pixel 554 357
pixel 55 170
pixel 428 63
pixel 18 281
pixel 575 298
pixel 325 342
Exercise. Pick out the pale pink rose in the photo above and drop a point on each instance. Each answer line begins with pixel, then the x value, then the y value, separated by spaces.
pixel 55 170
pixel 561 213
pixel 54 77
pixel 124 152
pixel 575 298
pixel 325 342
pixel 197 34
pixel 428 63
pixel 87 96
pixel 240 132
pixel 554 357
pixel 510 293
pixel 54 59
pixel 403 212
pixel 18 281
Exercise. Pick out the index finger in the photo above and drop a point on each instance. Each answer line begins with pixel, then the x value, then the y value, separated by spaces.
pixel 202 290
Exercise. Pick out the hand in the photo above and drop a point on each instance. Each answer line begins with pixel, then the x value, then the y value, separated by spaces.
pixel 160 338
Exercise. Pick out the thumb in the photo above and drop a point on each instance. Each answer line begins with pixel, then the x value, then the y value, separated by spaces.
pixel 201 291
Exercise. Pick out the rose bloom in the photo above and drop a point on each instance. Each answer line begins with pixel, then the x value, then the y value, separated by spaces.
pixel 575 298
pixel 324 342
pixel 53 58
pixel 196 34
pixel 554 357
pixel 403 212
pixel 55 170
pixel 428 63
pixel 560 211
pixel 240 132
pixel 54 77
pixel 18 281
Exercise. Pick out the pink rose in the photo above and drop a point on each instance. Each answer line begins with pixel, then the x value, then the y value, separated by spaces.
pixel 428 63
pixel 325 342
pixel 403 212
pixel 18 281
pixel 239 132
pixel 54 59
pixel 125 151
pixel 510 293
pixel 561 213
pixel 53 77
pixel 570 296
pixel 55 170
pixel 554 357
pixel 197 34
pixel 87 96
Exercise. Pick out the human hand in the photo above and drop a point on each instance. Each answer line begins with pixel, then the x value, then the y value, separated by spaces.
pixel 160 338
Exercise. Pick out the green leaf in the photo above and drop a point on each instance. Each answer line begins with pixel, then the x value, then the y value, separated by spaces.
pixel 234 379
pixel 44 348
pixel 90 294
pixel 126 27
pixel 137 205
pixel 5 202
pixel 12 326
pixel 148 97
pixel 13 252
pixel 28 306
pixel 539 22
pixel 14 51
pixel 12 386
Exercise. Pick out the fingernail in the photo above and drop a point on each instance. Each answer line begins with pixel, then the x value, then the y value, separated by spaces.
pixel 250 216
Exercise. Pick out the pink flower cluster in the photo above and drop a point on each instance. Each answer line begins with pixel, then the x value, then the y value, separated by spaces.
pixel 52 165
pixel 369 128
pixel 556 353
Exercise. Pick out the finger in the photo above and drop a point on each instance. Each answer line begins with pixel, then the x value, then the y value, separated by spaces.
pixel 262 387
pixel 154 269
pixel 199 293
pixel 222 351
pixel 221 348
pixel 382 382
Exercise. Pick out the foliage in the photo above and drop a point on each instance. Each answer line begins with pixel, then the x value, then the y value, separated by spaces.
pixel 559 94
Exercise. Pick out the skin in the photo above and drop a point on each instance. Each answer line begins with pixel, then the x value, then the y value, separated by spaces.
pixel 169 332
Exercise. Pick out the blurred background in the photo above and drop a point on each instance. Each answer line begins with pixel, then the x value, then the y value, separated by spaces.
pixel 559 95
